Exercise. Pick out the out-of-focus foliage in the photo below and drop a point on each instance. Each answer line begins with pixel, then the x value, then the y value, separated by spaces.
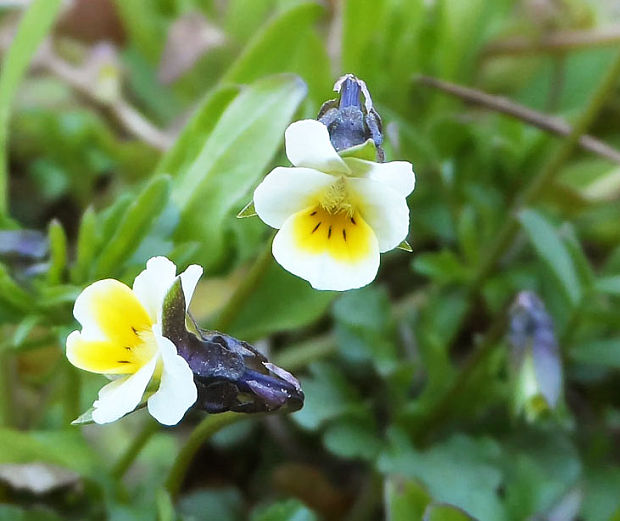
pixel 409 402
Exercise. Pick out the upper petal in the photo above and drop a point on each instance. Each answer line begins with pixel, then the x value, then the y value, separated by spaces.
pixel 177 391
pixel 396 174
pixel 308 145
pixel 152 284
pixel 285 191
pixel 338 262
pixel 109 311
pixel 384 209
pixel 189 280
pixel 123 395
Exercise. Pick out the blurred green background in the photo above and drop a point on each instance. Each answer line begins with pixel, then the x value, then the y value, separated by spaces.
pixel 141 127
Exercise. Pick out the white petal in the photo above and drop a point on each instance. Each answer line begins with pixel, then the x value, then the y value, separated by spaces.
pixel 384 209
pixel 177 391
pixel 189 280
pixel 396 174
pixel 286 191
pixel 153 283
pixel 123 395
pixel 308 145
pixel 322 270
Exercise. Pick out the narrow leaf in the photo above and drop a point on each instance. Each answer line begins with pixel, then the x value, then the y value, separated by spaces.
pixel 58 252
pixel 552 251
pixel 86 246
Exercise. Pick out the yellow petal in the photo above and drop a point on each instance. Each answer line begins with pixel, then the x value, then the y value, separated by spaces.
pixel 110 311
pixel 107 357
pixel 345 237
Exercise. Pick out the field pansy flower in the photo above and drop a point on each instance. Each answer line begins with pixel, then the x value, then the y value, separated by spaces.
pixel 122 338
pixel 335 214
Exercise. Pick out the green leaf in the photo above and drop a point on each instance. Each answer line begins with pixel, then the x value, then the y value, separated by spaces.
pixel 291 510
pixel 600 353
pixel 405 500
pixel 58 252
pixel 63 448
pixel 14 513
pixel 609 285
pixel 475 460
pixel 352 439
pixel 134 226
pixel 12 295
pixel 222 503
pixel 232 160
pixel 86 246
pixel 552 251
pixel 445 513
pixel 281 45
pixel 281 302
pixel 165 507
pixel 33 27
pixel 191 141
pixel 443 267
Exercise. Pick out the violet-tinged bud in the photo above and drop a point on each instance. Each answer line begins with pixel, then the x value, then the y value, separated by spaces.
pixel 230 374
pixel 351 122
pixel 535 358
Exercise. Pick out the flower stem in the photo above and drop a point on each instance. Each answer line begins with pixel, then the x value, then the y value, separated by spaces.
pixel 236 302
pixel 205 429
pixel 134 448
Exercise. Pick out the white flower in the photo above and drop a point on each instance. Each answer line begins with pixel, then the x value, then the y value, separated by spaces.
pixel 121 337
pixel 335 214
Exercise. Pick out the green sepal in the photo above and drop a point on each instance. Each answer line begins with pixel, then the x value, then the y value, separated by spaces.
pixel 248 211
pixel 405 246
pixel 366 151
pixel 173 314
pixel 85 418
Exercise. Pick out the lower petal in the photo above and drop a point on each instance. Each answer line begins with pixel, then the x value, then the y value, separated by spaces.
pixel 177 390
pixel 105 357
pixel 123 395
pixel 332 252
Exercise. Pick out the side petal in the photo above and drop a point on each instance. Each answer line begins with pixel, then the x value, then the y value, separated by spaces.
pixel 308 145
pixel 177 390
pixel 396 174
pixel 105 357
pixel 326 266
pixel 189 280
pixel 109 311
pixel 286 191
pixel 153 283
pixel 384 209
pixel 123 395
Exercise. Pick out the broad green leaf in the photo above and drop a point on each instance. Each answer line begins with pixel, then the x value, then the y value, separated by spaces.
pixel 222 503
pixel 609 285
pixel 291 510
pixel 86 246
pixel 232 160
pixel 63 448
pixel 189 144
pixel 352 439
pixel 280 46
pixel 446 513
pixel 405 500
pixel 33 27
pixel 443 267
pixel 15 513
pixel 134 226
pixel 281 302
pixel 552 251
pixel 605 353
pixel 475 459
pixel 58 252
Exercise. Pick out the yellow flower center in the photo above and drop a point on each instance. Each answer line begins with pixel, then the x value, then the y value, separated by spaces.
pixel 334 226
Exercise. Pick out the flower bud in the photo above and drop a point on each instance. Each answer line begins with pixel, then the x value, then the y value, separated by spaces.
pixel 535 359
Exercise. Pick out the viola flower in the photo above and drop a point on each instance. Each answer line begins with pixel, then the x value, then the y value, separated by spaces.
pixel 122 338
pixel 335 212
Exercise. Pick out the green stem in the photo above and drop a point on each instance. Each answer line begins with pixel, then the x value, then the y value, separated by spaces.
pixel 236 302
pixel 205 429
pixel 548 173
pixel 134 448
pixel 6 401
